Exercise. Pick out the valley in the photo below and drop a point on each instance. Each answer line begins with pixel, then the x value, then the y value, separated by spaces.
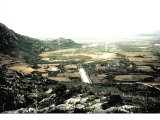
pixel 63 76
pixel 101 61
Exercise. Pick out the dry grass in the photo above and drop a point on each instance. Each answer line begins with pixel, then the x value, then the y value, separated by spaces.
pixel 66 74
pixel 59 79
pixel 78 55
pixel 97 78
pixel 147 63
pixel 47 67
pixel 145 68
pixel 46 54
pixel 22 67
pixel 141 57
pixel 71 66
pixel 142 60
pixel 131 78
pixel 132 54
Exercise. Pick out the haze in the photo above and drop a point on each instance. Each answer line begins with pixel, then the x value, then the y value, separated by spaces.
pixel 80 19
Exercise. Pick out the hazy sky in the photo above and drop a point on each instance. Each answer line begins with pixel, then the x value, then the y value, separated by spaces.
pixel 80 18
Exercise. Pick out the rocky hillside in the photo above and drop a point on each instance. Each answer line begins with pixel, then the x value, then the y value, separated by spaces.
pixel 31 93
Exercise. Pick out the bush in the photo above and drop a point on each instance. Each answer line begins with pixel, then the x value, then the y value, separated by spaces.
pixel 60 92
pixel 115 99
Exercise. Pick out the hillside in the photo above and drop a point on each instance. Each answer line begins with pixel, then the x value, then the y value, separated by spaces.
pixel 28 48
pixel 8 39
pixel 60 43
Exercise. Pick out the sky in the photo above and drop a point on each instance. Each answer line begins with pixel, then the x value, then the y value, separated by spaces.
pixel 80 19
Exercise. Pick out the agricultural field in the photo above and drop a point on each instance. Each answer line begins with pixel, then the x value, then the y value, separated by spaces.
pixel 21 67
pixel 120 62
pixel 134 78
pixel 145 57
pixel 72 59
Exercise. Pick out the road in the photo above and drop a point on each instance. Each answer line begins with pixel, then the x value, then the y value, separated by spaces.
pixel 84 76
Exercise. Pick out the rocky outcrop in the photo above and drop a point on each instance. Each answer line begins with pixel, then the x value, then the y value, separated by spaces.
pixel 79 105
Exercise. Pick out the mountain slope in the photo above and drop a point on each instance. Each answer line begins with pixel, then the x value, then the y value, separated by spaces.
pixel 28 48
pixel 8 39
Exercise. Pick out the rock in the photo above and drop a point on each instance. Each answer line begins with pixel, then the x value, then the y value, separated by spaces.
pixel 91 98
pixel 73 100
pixel 103 99
pixel 33 95
pixel 96 108
pixel 97 100
pixel 49 91
pixel 80 109
pixel 80 95
pixel 90 103
pixel 47 101
pixel 65 108
pixel 23 110
pixel 31 110
pixel 83 100
pixel 80 106
pixel 50 109
pixel 122 109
